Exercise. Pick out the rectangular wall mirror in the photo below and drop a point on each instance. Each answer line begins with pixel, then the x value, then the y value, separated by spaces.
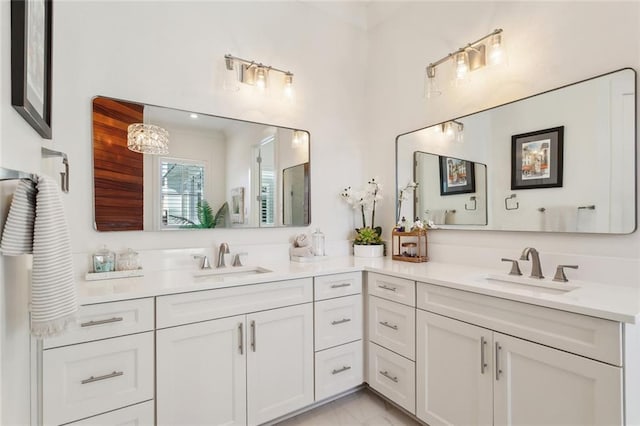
pixel 560 161
pixel 219 172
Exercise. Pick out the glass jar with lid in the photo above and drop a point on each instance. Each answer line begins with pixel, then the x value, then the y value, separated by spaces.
pixel 128 260
pixel 104 260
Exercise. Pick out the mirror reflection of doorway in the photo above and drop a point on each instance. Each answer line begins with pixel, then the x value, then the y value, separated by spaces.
pixel 295 183
pixel 264 191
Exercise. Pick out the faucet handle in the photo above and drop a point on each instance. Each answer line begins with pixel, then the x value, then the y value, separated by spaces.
pixel 515 268
pixel 204 264
pixel 560 276
pixel 236 259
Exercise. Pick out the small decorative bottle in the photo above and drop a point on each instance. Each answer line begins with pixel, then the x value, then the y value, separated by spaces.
pixel 317 243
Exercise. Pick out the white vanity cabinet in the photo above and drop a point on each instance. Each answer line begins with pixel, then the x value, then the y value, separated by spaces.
pixel 244 369
pixel 104 363
pixel 338 333
pixel 391 332
pixel 468 374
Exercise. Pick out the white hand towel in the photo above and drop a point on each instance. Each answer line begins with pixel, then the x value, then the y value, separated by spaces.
pixel 17 236
pixel 301 251
pixel 439 217
pixel 53 291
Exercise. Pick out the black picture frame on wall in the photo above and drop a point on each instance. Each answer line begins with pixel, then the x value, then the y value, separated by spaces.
pixel 536 159
pixel 31 22
pixel 457 176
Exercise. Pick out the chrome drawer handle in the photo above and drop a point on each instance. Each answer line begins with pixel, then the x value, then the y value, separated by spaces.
pixel 100 322
pixel 483 362
pixel 388 376
pixel 253 336
pixel 340 285
pixel 340 370
pixel 240 339
pixel 498 370
pixel 342 321
pixel 386 324
pixel 384 287
pixel 106 376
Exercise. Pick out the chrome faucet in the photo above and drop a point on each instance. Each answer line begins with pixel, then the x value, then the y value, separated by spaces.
pixel 536 269
pixel 224 249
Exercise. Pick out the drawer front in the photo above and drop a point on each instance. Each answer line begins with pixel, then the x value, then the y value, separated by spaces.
pixel 91 378
pixel 580 334
pixel 197 306
pixel 329 286
pixel 338 321
pixel 136 415
pixel 393 326
pixel 104 320
pixel 393 376
pixel 338 369
pixel 391 288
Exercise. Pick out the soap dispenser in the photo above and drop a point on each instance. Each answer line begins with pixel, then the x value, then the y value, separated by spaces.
pixel 317 243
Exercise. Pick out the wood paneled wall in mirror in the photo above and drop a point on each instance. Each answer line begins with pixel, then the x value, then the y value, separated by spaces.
pixel 219 172
pixel 117 171
pixel 560 161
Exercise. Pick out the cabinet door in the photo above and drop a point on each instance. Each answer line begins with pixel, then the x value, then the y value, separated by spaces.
pixel 201 373
pixel 536 384
pixel 279 362
pixel 454 372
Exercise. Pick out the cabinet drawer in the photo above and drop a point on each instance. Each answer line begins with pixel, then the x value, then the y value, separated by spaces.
pixel 338 369
pixel 329 286
pixel 391 288
pixel 91 378
pixel 104 320
pixel 338 321
pixel 393 376
pixel 197 306
pixel 136 415
pixel 393 326
pixel 580 334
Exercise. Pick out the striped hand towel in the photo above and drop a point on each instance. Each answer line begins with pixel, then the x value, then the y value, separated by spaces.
pixel 17 236
pixel 53 291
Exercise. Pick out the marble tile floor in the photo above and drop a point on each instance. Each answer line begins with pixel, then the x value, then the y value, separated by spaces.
pixel 360 408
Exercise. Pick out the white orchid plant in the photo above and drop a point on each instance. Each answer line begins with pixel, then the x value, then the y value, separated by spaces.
pixel 404 195
pixel 366 200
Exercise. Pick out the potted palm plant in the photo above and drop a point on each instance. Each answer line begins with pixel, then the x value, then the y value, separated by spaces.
pixel 368 241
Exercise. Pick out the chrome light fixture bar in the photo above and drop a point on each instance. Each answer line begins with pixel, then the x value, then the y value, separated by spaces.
pixel 468 58
pixel 257 73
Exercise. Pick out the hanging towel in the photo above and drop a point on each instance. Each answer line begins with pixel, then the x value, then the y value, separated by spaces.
pixel 439 217
pixel 17 237
pixel 53 291
pixel 559 219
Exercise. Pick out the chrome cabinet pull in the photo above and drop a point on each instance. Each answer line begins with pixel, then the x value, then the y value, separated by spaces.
pixel 386 374
pixel 498 371
pixel 391 326
pixel 106 376
pixel 241 339
pixel 99 322
pixel 483 363
pixel 342 321
pixel 253 336
pixel 384 287
pixel 340 370
pixel 340 285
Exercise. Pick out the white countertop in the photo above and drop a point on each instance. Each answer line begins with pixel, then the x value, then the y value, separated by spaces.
pixel 611 302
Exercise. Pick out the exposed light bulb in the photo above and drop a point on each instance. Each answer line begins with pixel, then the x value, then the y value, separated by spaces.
pixel 288 86
pixel 431 89
pixel 261 78
pixel 449 131
pixel 193 115
pixel 462 65
pixel 496 51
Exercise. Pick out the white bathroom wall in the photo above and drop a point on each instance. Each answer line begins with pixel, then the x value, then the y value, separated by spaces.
pixel 549 44
pixel 171 54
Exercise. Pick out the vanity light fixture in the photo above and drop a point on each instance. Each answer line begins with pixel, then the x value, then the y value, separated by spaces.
pixel 471 57
pixel 257 74
pixel 147 139
pixel 193 115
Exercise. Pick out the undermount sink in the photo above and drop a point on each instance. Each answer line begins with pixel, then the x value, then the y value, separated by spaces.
pixel 540 285
pixel 230 273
